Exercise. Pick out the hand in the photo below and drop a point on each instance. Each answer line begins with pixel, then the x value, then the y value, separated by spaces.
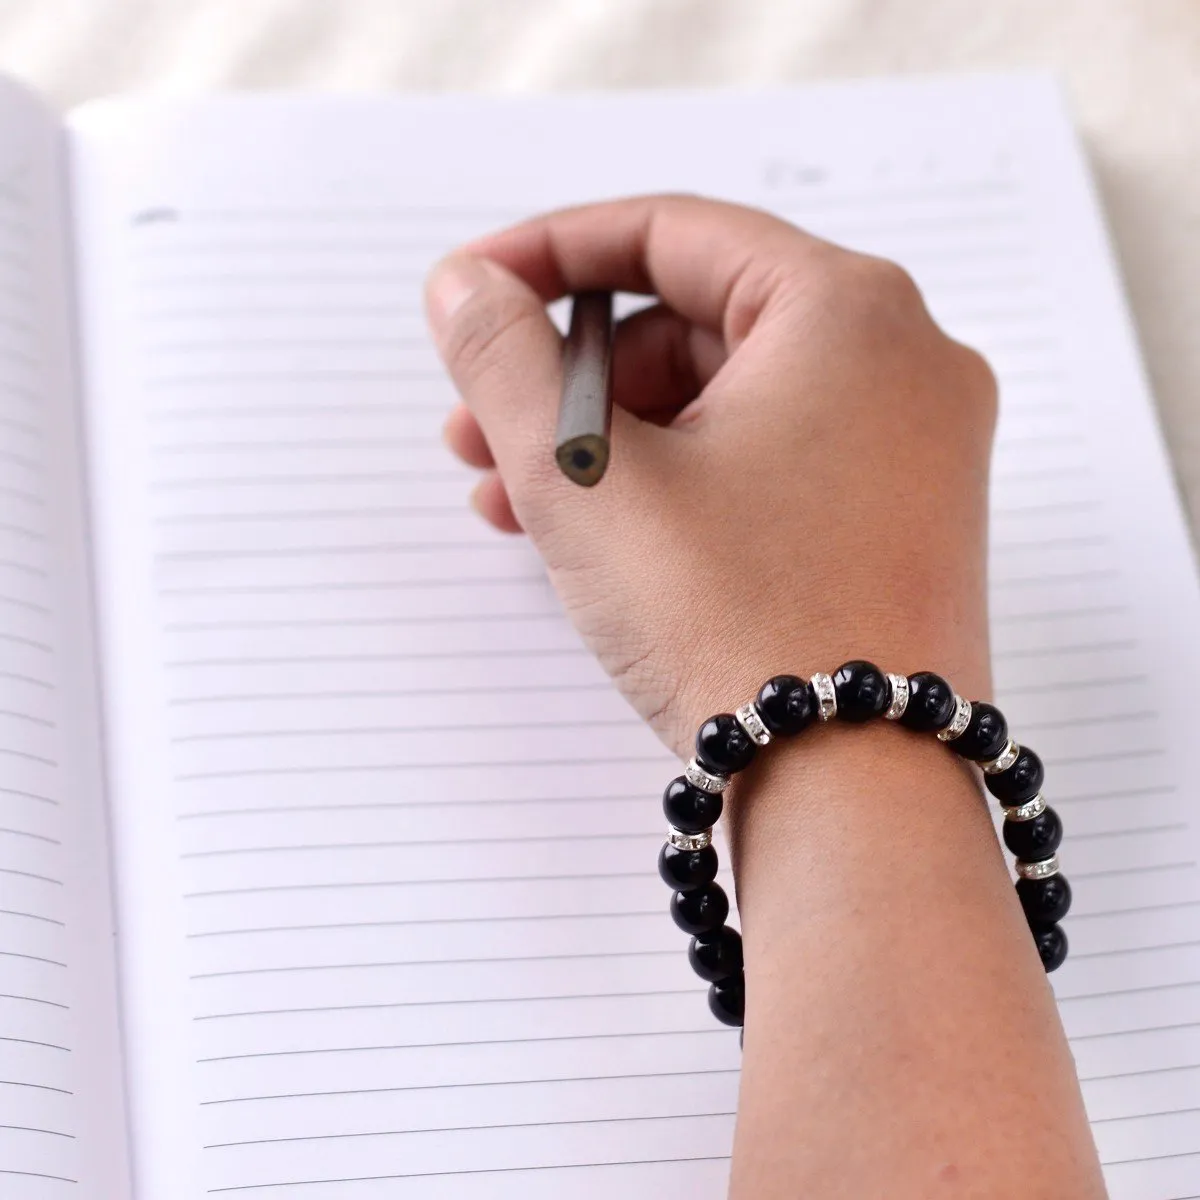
pixel 799 477
pixel 800 459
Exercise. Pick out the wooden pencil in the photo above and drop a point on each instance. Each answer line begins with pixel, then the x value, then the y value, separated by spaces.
pixel 585 408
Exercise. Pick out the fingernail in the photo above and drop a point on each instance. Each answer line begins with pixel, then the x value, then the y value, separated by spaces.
pixel 451 284
pixel 475 500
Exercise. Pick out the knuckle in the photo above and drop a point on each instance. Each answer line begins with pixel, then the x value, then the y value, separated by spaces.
pixel 884 287
pixel 978 378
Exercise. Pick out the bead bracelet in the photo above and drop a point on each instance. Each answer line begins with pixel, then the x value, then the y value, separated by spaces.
pixel 857 691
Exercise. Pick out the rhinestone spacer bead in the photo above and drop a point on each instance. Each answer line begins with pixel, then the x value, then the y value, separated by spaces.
pixel 706 781
pixel 899 685
pixel 958 723
pixel 748 718
pixel 689 841
pixel 826 693
pixel 1042 869
pixel 1003 760
pixel 1028 810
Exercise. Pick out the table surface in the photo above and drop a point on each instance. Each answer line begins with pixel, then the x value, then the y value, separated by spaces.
pixel 1131 69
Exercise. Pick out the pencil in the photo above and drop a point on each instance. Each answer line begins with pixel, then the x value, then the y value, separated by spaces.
pixel 581 446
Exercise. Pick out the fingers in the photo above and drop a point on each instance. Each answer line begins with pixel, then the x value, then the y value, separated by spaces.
pixel 660 365
pixel 718 265
pixel 464 437
pixel 490 500
pixel 504 356
pixel 661 362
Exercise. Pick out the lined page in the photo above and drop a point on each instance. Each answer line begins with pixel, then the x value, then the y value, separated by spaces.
pixel 61 1112
pixel 386 835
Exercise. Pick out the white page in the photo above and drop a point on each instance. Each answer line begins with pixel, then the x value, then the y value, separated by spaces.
pixel 354 744
pixel 62 1129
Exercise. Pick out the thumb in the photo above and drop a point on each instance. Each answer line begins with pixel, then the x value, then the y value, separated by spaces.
pixel 505 357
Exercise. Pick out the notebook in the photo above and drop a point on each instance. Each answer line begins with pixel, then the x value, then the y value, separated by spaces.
pixel 295 755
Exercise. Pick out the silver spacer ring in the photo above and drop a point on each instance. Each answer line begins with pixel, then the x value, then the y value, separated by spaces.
pixel 689 841
pixel 899 685
pixel 1003 760
pixel 706 781
pixel 1028 810
pixel 748 718
pixel 1042 869
pixel 826 694
pixel 959 722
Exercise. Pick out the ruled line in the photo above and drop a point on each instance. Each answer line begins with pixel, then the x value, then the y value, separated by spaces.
pixel 1121 1033
pixel 340 550
pixel 353 585
pixel 375 1133
pixel 398 621
pixel 407 922
pixel 388 768
pixel 35 1129
pixel 1110 993
pixel 480 1083
pixel 253 735
pixel 360 805
pixel 1145 948
pixel 35 1000
pixel 549 839
pixel 393 693
pixel 299 968
pixel 707 1030
pixel 205 483
pixel 36 1175
pixel 263 889
pixel 533 999
pixel 632 1162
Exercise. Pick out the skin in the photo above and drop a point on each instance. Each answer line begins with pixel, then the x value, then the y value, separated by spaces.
pixel 800 477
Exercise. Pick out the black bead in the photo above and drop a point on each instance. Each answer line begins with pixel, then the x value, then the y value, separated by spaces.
pixel 786 704
pixel 723 746
pixel 1035 839
pixel 930 703
pixel 1045 901
pixel 1021 782
pixel 688 808
pixel 1052 947
pixel 701 909
pixel 862 691
pixel 985 737
pixel 717 955
pixel 727 1000
pixel 687 869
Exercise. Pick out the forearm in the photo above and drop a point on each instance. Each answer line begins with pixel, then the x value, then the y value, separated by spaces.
pixel 892 986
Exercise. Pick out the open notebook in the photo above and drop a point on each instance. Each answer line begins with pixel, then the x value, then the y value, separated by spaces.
pixel 346 735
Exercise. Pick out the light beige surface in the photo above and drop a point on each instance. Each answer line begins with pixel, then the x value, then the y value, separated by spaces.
pixel 1131 68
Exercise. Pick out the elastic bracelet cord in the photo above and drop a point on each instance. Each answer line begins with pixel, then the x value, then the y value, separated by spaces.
pixel 857 691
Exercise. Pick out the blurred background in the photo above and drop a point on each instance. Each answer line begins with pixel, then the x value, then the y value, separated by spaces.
pixel 1131 69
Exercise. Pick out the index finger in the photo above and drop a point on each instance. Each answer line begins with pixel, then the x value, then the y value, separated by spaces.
pixel 719 265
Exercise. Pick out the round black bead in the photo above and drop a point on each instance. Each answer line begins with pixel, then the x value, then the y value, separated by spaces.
pixel 862 689
pixel 687 869
pixel 1035 839
pixel 1045 901
pixel 701 909
pixel 786 704
pixel 723 746
pixel 717 955
pixel 930 703
pixel 727 1000
pixel 688 808
pixel 985 737
pixel 1052 947
pixel 1022 781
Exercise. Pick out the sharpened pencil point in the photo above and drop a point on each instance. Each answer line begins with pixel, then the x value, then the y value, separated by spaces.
pixel 585 408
